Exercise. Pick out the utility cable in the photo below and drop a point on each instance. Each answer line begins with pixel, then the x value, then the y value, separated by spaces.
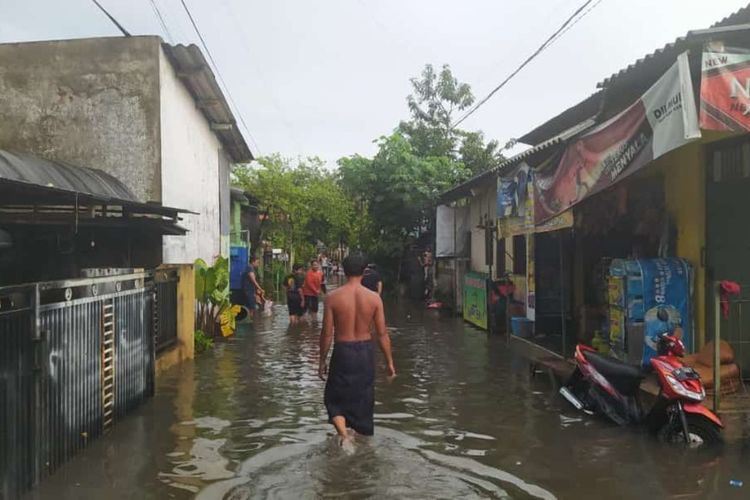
pixel 218 73
pixel 533 56
pixel 244 39
pixel 111 18
pixel 585 13
pixel 161 20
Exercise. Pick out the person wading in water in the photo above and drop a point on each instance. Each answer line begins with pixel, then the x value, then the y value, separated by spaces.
pixel 349 312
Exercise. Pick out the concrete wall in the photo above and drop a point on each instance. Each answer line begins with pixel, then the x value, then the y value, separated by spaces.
pixel 91 102
pixel 685 197
pixel 190 173
pixel 224 202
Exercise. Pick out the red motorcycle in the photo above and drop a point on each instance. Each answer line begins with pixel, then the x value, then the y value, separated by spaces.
pixel 606 386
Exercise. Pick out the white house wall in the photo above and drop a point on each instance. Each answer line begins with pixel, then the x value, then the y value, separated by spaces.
pixel 190 172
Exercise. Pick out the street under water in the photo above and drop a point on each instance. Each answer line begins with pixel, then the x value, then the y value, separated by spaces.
pixel 464 418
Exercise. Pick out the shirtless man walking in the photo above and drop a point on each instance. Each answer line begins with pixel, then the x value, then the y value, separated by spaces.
pixel 349 312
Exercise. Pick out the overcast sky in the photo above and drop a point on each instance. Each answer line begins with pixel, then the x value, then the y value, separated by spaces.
pixel 327 77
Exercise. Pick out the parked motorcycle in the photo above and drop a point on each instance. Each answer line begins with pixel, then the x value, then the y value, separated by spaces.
pixel 609 387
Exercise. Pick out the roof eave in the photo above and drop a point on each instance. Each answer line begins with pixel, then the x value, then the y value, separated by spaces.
pixel 197 76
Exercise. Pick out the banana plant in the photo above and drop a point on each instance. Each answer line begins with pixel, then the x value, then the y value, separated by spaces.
pixel 214 300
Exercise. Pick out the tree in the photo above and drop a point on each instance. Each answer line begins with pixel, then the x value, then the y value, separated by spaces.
pixel 397 188
pixel 301 204
pixel 435 100
pixel 476 155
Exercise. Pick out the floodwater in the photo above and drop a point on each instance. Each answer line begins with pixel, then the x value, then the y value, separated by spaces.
pixel 463 419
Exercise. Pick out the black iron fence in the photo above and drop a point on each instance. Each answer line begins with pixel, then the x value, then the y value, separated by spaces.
pixel 165 312
pixel 731 323
pixel 17 391
pixel 75 356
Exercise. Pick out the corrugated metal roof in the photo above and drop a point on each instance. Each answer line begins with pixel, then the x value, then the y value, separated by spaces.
pixel 665 56
pixel 589 107
pixel 21 167
pixel 464 189
pixel 25 177
pixel 636 77
pixel 192 68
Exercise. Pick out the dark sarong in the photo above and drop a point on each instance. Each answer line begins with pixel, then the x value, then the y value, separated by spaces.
pixel 350 389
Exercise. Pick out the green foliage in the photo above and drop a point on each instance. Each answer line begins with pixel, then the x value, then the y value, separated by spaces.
pixel 213 297
pixel 397 187
pixel 435 99
pixel 476 155
pixel 395 191
pixel 302 203
pixel 434 104
pixel 202 341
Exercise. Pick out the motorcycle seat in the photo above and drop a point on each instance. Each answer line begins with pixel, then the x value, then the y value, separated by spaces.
pixel 624 377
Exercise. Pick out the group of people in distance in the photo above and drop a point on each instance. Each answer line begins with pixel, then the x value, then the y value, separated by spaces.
pixel 304 287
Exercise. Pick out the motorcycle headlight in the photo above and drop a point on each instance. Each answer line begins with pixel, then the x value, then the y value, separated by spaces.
pixel 683 391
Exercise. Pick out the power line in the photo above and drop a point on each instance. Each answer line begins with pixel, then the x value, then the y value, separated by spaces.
pixel 161 20
pixel 533 56
pixel 244 39
pixel 218 73
pixel 111 18
pixel 576 21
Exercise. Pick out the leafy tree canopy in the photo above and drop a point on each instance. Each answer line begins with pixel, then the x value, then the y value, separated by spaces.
pixel 397 188
pixel 301 203
pixel 436 100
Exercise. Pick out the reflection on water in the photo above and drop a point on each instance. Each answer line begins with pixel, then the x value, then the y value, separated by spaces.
pixel 462 420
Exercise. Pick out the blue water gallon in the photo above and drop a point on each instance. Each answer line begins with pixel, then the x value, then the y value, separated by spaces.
pixel 237 265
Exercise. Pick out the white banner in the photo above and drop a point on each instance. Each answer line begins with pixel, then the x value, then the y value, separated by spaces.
pixel 451 230
pixel 670 108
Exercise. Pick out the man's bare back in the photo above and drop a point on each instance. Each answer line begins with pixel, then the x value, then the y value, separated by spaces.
pixel 349 313
pixel 353 309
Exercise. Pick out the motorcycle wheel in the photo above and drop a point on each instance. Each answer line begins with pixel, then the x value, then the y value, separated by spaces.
pixel 703 433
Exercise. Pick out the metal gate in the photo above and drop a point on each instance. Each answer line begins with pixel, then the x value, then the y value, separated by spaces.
pixel 75 356
pixel 165 308
pixel 17 325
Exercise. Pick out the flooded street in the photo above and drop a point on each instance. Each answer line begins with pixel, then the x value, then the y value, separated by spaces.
pixel 463 419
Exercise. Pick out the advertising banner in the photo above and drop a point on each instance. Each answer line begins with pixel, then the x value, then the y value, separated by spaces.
pixel 512 193
pixel 725 90
pixel 530 279
pixel 666 302
pixel 475 299
pixel 506 192
pixel 663 119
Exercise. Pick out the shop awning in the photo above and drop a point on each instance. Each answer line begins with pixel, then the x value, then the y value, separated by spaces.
pixel 35 191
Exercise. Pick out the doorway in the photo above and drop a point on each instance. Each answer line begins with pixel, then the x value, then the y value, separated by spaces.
pixel 727 255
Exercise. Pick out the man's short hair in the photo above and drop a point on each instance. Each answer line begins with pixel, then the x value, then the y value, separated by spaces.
pixel 355 264
pixel 253 258
pixel 297 267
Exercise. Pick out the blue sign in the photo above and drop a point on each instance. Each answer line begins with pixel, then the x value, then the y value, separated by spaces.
pixel 666 304
pixel 506 198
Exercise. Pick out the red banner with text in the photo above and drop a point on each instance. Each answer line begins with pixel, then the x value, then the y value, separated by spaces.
pixel 663 119
pixel 725 89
